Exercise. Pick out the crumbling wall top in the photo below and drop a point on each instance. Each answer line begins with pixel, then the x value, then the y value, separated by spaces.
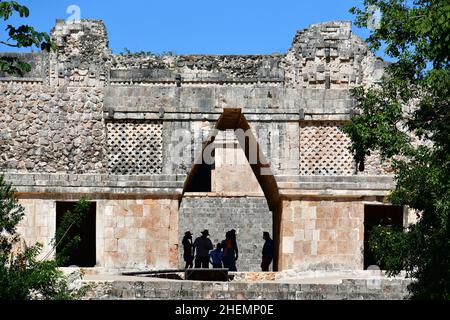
pixel 328 55
pixel 323 56
pixel 83 56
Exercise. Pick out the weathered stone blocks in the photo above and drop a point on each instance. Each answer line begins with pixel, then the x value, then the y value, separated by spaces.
pixel 249 216
pixel 345 289
pixel 332 240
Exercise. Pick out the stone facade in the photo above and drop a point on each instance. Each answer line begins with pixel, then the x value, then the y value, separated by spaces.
pixel 322 235
pixel 85 122
pixel 50 129
pixel 139 234
pixel 130 234
pixel 83 57
pixel 39 223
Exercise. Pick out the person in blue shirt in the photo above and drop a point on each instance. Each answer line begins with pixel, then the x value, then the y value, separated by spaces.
pixel 267 252
pixel 216 256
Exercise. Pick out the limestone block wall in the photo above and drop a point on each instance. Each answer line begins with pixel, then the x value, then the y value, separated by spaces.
pixel 49 129
pixel 84 121
pixel 249 216
pixel 130 234
pixel 138 234
pixel 374 166
pixel 39 223
pixel 231 171
pixel 322 234
pixel 279 142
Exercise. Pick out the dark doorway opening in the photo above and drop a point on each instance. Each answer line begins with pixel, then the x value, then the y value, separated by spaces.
pixel 201 179
pixel 375 215
pixel 84 254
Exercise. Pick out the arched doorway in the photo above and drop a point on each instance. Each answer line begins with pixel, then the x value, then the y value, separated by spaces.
pixel 223 195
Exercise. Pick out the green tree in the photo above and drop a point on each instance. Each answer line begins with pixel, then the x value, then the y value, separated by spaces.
pixel 22 36
pixel 64 245
pixel 22 275
pixel 407 119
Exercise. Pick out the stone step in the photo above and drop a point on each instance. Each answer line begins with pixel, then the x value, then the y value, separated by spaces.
pixel 346 289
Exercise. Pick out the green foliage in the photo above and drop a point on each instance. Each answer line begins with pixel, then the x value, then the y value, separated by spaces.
pixel 10 215
pixel 13 65
pixel 63 244
pixel 19 37
pixel 22 275
pixel 389 247
pixel 417 34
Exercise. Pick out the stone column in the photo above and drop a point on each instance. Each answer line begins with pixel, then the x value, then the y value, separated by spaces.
pixel 286 246
pixel 232 172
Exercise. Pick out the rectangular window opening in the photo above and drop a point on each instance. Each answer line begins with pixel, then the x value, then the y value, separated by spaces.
pixel 84 254
pixel 374 215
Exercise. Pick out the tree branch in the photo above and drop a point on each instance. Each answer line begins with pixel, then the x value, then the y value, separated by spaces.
pixel 9 44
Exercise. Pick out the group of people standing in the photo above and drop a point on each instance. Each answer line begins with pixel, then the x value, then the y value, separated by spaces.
pixel 200 252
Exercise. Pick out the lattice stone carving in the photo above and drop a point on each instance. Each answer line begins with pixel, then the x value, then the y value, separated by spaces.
pixel 323 149
pixel 134 147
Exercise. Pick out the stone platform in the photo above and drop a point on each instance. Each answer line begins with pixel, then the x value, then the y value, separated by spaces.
pixel 342 285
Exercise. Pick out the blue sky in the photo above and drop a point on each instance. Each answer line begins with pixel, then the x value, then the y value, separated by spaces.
pixel 196 26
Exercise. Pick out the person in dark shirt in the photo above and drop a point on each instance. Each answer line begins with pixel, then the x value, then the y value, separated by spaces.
pixel 202 246
pixel 216 256
pixel 187 249
pixel 267 252
pixel 233 236
pixel 230 251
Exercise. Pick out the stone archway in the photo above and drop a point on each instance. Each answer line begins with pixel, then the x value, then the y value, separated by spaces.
pixel 241 195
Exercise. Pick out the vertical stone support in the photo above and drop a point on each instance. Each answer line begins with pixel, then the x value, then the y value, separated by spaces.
pixel 137 234
pixel 100 215
pixel 290 132
pixel 232 172
pixel 39 223
pixel 286 236
pixel 177 147
pixel 318 235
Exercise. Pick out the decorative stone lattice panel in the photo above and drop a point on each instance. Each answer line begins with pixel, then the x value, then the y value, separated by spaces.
pixel 323 149
pixel 134 147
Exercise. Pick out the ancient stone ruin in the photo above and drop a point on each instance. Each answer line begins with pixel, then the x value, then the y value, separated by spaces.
pixel 131 133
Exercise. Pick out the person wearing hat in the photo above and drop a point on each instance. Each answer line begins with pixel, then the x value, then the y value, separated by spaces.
pixel 187 249
pixel 202 246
